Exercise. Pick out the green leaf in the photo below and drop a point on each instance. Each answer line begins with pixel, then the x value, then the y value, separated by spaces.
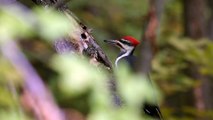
pixel 77 76
pixel 53 25
pixel 14 23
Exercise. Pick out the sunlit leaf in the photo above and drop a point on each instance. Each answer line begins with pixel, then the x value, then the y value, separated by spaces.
pixel 77 75
pixel 14 23
pixel 53 25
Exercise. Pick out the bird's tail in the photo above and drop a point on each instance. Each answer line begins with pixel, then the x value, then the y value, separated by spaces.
pixel 153 111
pixel 149 109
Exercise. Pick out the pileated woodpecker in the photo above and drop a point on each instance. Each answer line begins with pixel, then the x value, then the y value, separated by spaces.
pixel 127 46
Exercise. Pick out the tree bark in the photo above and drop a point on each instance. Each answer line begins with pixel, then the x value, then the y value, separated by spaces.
pixel 194 18
pixel 159 8
pixel 148 39
pixel 208 84
pixel 150 27
pixel 195 29
pixel 210 20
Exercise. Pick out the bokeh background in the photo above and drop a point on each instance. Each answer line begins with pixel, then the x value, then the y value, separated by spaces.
pixel 176 47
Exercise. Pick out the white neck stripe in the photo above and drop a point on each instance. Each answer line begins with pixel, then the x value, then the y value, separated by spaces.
pixel 120 57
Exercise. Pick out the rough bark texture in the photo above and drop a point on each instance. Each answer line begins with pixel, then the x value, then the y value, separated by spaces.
pixel 82 42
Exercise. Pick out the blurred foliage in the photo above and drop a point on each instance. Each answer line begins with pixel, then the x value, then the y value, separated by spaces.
pixel 172 65
pixel 76 77
pixel 94 82
pixel 88 93
pixel 16 24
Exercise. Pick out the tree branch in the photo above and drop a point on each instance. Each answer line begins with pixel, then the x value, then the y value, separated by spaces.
pixel 36 94
pixel 148 47
pixel 82 41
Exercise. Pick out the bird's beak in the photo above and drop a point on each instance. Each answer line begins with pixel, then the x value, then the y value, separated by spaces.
pixel 114 42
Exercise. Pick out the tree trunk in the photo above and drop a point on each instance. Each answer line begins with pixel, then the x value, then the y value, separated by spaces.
pixel 208 84
pixel 148 39
pixel 150 28
pixel 159 7
pixel 210 20
pixel 195 29
pixel 194 18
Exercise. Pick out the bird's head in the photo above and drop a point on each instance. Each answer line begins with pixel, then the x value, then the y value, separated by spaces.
pixel 126 43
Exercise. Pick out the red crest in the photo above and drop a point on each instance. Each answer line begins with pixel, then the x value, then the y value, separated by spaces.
pixel 134 41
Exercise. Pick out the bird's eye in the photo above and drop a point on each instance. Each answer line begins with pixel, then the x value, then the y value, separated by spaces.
pixel 125 42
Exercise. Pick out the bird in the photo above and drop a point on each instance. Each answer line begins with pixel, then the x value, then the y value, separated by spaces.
pixel 127 46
